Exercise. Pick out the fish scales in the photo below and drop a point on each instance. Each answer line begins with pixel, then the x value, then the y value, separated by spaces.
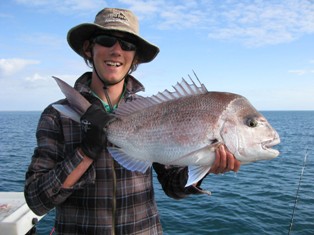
pixel 172 129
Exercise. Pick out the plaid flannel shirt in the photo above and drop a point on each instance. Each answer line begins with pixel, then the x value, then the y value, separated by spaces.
pixel 108 199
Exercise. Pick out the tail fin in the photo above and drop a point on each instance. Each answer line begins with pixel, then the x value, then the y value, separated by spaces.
pixel 67 111
pixel 76 100
pixel 78 104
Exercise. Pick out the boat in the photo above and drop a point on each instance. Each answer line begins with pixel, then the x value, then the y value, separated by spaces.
pixel 16 218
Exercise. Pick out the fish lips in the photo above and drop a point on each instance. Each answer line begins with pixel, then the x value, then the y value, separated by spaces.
pixel 269 144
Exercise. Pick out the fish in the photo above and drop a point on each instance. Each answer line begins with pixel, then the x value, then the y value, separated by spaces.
pixel 182 127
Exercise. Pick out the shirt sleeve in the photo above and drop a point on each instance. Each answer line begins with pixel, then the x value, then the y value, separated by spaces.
pixel 50 165
pixel 173 180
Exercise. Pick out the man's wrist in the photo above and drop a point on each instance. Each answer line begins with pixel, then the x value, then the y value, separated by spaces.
pixel 82 154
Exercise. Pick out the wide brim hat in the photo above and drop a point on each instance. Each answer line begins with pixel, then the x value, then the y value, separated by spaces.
pixel 107 21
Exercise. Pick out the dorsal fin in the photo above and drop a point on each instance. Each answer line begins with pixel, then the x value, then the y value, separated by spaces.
pixel 182 89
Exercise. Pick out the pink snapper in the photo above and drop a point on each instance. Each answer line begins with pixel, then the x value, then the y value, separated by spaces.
pixel 182 128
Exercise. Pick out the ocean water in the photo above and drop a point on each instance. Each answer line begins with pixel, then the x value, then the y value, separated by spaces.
pixel 259 199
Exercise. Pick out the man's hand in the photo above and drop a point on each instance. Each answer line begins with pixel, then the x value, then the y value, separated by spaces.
pixel 93 124
pixel 224 162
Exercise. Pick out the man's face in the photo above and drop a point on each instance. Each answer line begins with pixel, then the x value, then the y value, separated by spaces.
pixel 112 61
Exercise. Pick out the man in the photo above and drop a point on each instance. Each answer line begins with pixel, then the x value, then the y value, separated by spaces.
pixel 71 169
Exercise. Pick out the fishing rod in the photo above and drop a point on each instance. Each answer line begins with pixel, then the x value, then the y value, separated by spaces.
pixel 297 194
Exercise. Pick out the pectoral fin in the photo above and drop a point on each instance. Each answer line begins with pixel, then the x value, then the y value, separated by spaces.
pixel 197 157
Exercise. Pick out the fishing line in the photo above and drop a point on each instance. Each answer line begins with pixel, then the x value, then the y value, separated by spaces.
pixel 297 194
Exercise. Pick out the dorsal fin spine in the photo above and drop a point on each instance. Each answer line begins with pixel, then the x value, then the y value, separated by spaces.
pixel 182 89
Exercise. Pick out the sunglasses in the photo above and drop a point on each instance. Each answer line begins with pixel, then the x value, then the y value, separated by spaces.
pixel 109 41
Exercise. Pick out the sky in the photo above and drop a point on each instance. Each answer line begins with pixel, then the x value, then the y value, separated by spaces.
pixel 263 50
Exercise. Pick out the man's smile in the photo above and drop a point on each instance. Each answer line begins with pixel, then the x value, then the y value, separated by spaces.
pixel 112 63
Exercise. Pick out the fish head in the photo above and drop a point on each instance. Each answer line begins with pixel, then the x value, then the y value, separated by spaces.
pixel 247 133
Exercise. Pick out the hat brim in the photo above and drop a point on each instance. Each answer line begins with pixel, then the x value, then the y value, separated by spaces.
pixel 80 33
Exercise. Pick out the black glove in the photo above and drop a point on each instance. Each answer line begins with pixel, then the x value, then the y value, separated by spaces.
pixel 93 124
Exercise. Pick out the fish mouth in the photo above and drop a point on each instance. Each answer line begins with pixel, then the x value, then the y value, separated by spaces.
pixel 269 144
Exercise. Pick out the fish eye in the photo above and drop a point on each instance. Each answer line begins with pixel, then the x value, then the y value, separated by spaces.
pixel 251 122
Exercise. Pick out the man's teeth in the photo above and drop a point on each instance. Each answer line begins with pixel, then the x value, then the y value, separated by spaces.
pixel 117 64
